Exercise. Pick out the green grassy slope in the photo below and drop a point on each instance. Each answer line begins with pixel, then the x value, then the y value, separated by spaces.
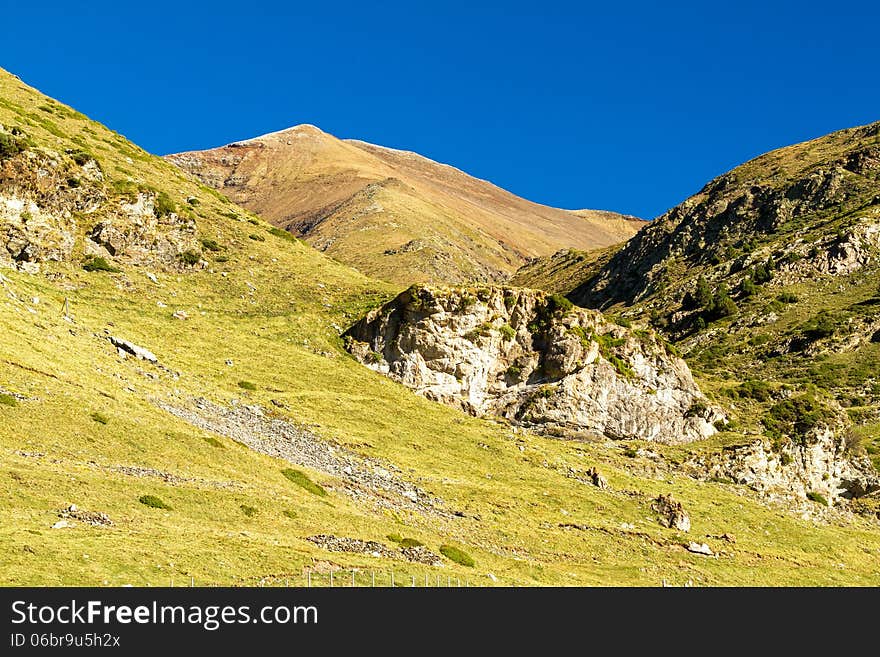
pixel 790 236
pixel 274 310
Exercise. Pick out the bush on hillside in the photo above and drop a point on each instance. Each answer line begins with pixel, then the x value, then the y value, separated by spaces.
pixel 97 263
pixel 301 480
pixel 458 556
pixel 153 502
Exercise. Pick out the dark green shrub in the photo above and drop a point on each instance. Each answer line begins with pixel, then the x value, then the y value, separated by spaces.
pixel 193 201
pixel 757 390
pixel 253 221
pixel 513 372
pixel 247 385
pixel 507 332
pixel 190 258
pixel 73 182
pixel 509 301
pixel 290 513
pixel 404 542
pixel 721 304
pixel 100 418
pixel 796 416
pixel 558 305
pixel 213 442
pixel 762 273
pixel 153 502
pixel 163 205
pixel 821 326
pixel 300 479
pixel 211 244
pixel 817 497
pixel 8 400
pixel 458 556
pixel 747 287
pixel 545 392
pixel 249 511
pixel 373 357
pixel 100 264
pixel 11 145
pixel 787 297
pixel 221 258
pixel 256 238
pixel 699 407
pixel 702 293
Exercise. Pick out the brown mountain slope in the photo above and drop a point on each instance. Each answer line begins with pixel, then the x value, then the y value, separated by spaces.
pixel 394 214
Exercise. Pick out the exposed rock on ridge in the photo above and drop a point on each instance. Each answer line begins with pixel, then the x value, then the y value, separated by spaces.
pixel 818 464
pixel 534 359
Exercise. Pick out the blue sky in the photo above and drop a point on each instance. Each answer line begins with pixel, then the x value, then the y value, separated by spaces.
pixel 622 106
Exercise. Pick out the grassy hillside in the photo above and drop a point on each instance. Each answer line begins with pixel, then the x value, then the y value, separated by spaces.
pixel 767 279
pixel 394 214
pixel 81 425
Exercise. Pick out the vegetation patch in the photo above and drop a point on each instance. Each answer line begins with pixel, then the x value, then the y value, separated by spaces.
pixel 507 332
pixel 98 263
pixel 404 542
pixel 283 234
pixel 247 385
pixel 211 245
pixel 153 502
pixel 11 145
pixel 190 258
pixel 457 555
pixel 249 511
pixel 100 418
pixel 164 205
pixel 302 480
pixel 796 416
pixel 8 400
pixel 818 498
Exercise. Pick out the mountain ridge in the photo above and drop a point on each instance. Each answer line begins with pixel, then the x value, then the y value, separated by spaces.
pixel 440 224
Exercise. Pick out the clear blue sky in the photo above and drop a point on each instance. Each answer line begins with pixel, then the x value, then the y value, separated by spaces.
pixel 624 106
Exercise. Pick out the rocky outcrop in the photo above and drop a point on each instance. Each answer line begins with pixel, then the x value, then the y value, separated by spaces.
pixel 672 513
pixel 817 466
pixel 136 231
pixel 769 199
pixel 534 359
pixel 54 205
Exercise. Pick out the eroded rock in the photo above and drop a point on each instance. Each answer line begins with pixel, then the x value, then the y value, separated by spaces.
pixel 535 360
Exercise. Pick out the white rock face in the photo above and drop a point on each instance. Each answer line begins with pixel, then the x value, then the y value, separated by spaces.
pixel 818 464
pixel 521 355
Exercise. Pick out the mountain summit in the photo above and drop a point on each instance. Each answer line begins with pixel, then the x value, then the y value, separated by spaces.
pixel 394 214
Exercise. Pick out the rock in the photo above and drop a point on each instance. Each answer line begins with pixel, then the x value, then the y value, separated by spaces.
pixel 700 548
pixel 133 349
pixel 355 545
pixel 525 356
pixel 672 513
pixel 819 463
pixel 93 518
pixel 598 480
pixel 492 577
pixel 229 362
pixel 180 314
pixel 152 277
pixel 61 524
